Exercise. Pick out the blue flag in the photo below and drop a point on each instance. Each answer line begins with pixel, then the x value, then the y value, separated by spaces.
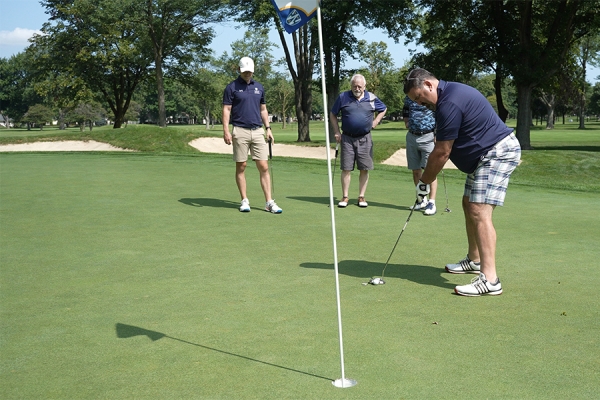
pixel 295 13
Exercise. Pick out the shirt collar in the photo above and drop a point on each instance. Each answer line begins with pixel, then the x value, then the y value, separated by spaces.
pixel 243 81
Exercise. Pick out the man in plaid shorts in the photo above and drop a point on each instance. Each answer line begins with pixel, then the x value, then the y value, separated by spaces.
pixel 470 133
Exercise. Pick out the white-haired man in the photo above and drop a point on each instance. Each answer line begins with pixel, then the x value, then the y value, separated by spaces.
pixel 357 107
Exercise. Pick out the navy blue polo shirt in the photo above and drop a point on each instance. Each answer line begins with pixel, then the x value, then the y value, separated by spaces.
pixel 245 100
pixel 464 115
pixel 357 115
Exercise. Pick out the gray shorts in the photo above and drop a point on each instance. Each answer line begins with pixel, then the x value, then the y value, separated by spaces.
pixel 356 150
pixel 418 149
pixel 489 181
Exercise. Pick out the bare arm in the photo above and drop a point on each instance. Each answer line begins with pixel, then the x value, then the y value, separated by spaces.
pixel 264 115
pixel 379 117
pixel 437 159
pixel 336 127
pixel 226 114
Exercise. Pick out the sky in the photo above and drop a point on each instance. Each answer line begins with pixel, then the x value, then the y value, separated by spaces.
pixel 20 19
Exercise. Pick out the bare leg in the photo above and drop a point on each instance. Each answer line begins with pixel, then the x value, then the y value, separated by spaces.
pixel 482 236
pixel 345 179
pixel 265 178
pixel 433 190
pixel 417 173
pixel 240 178
pixel 363 180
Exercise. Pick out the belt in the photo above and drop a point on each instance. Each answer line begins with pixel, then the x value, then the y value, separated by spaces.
pixel 355 136
pixel 252 128
pixel 421 133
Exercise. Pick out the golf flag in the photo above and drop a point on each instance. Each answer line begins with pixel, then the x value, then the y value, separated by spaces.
pixel 295 13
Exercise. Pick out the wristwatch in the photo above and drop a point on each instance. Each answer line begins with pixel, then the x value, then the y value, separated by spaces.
pixel 267 127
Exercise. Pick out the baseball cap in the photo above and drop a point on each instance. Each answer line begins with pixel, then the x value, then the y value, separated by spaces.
pixel 246 64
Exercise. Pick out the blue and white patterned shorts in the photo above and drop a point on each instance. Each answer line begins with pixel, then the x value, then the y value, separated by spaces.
pixel 489 181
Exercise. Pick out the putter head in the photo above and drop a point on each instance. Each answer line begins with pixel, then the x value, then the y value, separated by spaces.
pixel 447 210
pixel 376 281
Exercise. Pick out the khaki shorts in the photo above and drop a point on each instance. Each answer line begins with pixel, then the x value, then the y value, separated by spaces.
pixel 249 140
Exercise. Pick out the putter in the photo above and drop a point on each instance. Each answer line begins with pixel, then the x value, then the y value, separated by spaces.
pixel 337 146
pixel 271 166
pixel 446 192
pixel 380 281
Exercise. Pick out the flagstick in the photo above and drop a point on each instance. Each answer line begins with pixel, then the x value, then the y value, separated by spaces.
pixel 342 382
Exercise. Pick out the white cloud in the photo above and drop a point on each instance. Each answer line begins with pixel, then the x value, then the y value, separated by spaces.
pixel 17 37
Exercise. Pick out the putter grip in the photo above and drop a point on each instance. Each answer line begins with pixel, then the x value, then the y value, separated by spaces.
pixel 270 150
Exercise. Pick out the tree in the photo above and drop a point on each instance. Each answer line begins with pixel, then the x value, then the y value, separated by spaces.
pixel 588 53
pixel 379 62
pixel 281 99
pixel 133 112
pixel 300 60
pixel 178 32
pixel 527 40
pixel 98 42
pixel 391 91
pixel 207 85
pixel 17 92
pixel 84 113
pixel 340 18
pixel 257 46
pixel 39 115
pixel 594 106
pixel 464 38
pixel 546 34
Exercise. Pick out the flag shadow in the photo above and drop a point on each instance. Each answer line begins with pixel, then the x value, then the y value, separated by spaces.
pixel 125 331
pixel 325 201
pixel 421 274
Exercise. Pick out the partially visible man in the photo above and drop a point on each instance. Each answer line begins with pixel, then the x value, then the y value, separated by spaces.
pixel 470 133
pixel 420 139
pixel 244 105
pixel 357 107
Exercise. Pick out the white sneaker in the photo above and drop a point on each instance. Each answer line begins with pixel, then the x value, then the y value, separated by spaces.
pixel 464 266
pixel 362 202
pixel 344 202
pixel 420 206
pixel 245 206
pixel 430 209
pixel 271 206
pixel 478 286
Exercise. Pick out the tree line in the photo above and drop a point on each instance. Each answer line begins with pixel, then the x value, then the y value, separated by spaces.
pixel 151 60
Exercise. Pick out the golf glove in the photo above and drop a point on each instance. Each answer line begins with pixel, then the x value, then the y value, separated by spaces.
pixel 422 191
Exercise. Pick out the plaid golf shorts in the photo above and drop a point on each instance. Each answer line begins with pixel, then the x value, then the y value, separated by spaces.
pixel 489 181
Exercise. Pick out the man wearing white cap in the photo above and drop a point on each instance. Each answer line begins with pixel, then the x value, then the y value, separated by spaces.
pixel 244 106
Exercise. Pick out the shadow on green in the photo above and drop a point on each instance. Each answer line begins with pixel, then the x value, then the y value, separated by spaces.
pixel 125 331
pixel 325 201
pixel 208 202
pixel 423 275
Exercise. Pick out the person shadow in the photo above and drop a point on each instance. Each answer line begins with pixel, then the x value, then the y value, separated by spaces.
pixel 208 202
pixel 421 274
pixel 352 202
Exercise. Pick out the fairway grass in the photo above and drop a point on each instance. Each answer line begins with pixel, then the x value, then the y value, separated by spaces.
pixel 135 276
